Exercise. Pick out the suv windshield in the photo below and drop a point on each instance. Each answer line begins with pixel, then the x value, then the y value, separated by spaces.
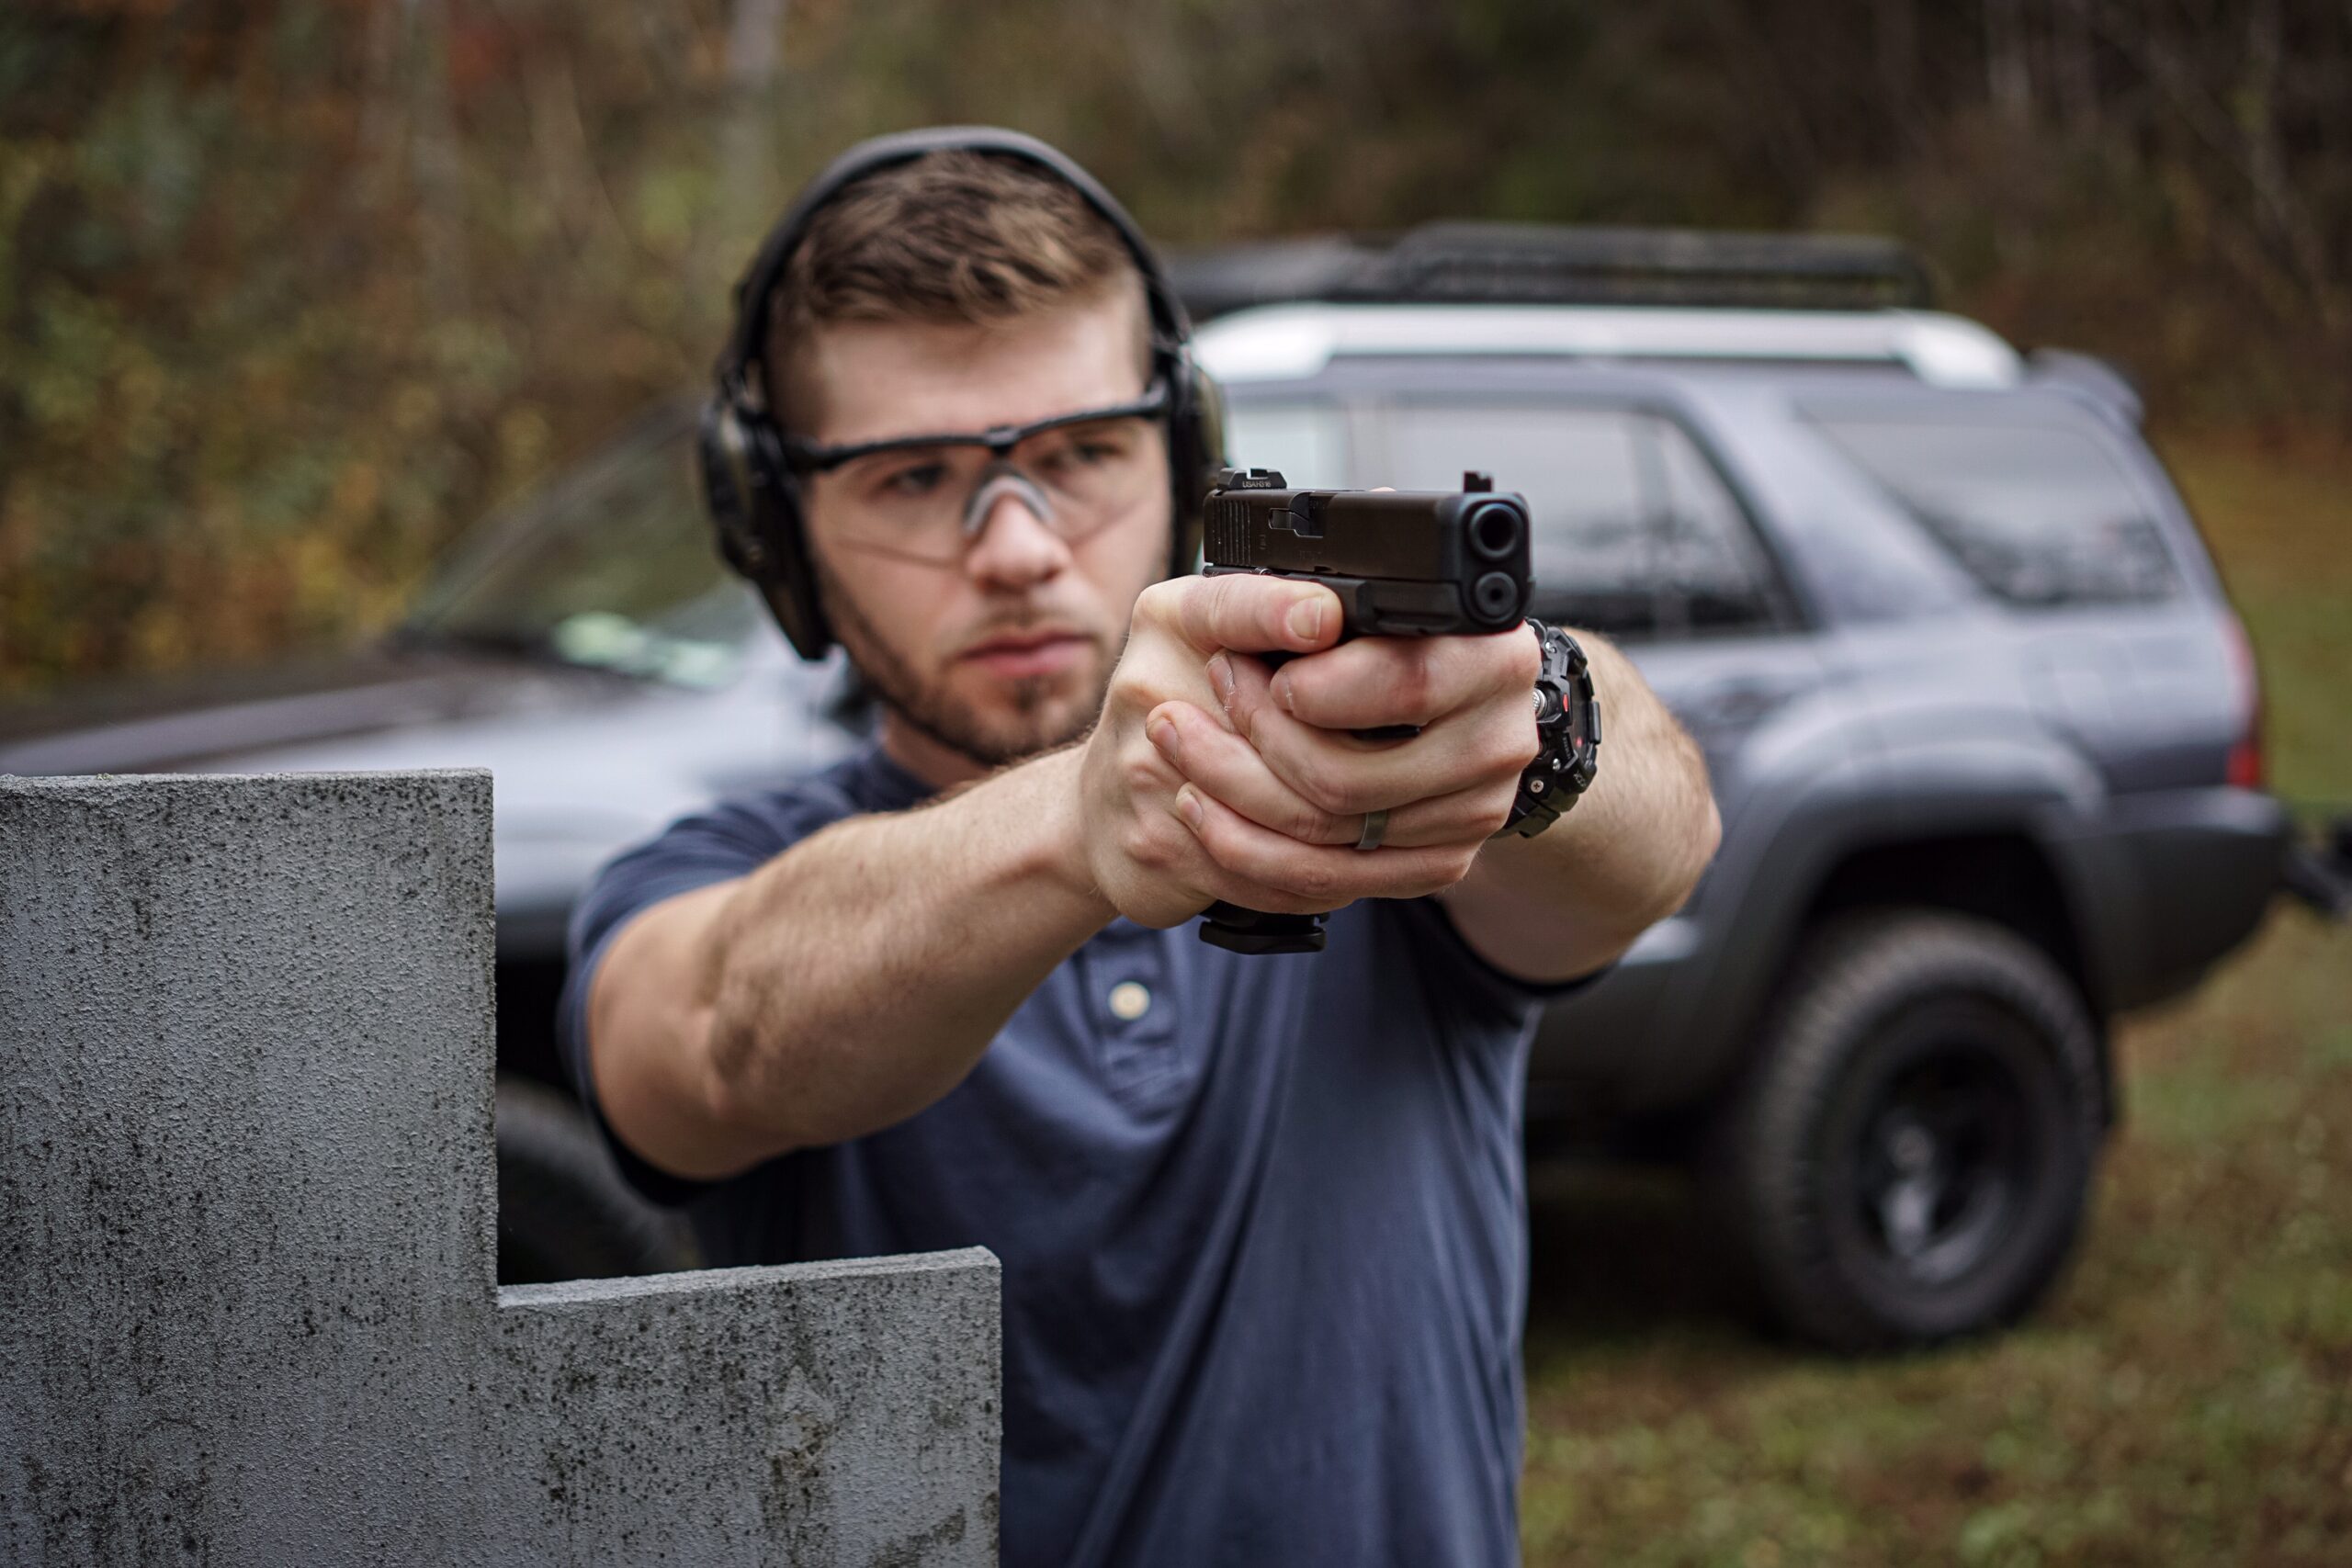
pixel 615 570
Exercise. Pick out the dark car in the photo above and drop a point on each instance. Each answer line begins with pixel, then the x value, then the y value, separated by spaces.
pixel 1983 727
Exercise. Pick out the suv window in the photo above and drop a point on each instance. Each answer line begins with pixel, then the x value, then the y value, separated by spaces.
pixel 1636 534
pixel 1306 443
pixel 2040 514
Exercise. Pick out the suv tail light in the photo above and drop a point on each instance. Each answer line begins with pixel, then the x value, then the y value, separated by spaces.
pixel 2245 768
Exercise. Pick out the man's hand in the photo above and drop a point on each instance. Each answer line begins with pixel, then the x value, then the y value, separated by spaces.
pixel 1285 785
pixel 1138 847
pixel 1271 786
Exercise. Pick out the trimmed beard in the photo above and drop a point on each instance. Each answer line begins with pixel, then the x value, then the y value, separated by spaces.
pixel 928 710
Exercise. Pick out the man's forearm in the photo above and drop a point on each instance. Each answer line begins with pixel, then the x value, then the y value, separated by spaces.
pixel 850 981
pixel 1574 896
pixel 857 978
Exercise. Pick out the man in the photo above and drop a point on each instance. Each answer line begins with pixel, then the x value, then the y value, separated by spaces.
pixel 1259 1217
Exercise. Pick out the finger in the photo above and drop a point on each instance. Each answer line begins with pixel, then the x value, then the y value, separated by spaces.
pixel 1195 869
pixel 1230 769
pixel 1247 612
pixel 1244 685
pixel 1474 747
pixel 1161 661
pixel 1377 681
pixel 1233 675
pixel 1163 847
pixel 1322 875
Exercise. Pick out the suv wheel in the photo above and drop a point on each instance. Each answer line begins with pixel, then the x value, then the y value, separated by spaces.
pixel 564 1212
pixel 1907 1157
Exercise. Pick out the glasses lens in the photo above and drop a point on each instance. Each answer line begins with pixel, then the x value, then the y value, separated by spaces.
pixel 912 501
pixel 1094 471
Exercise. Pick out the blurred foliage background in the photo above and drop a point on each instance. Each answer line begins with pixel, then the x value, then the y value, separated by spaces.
pixel 289 293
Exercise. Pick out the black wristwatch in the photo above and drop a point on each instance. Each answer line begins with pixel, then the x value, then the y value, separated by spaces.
pixel 1568 723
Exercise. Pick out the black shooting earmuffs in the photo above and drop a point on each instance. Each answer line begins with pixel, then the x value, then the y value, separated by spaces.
pixel 750 489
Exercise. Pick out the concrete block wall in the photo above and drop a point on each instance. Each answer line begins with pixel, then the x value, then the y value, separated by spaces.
pixel 248 1308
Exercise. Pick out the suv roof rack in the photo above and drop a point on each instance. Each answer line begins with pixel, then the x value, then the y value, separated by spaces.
pixel 1280 343
pixel 1541 263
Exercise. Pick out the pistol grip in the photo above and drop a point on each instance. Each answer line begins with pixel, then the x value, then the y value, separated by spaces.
pixel 1254 931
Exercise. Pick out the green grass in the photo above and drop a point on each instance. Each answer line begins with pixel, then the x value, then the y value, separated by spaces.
pixel 2184 1396
pixel 2278 517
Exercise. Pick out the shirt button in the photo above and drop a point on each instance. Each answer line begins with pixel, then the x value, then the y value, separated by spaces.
pixel 1130 999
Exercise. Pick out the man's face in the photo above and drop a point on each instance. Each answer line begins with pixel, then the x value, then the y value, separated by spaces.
pixel 1007 651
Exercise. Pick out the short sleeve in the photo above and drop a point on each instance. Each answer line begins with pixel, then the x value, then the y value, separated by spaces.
pixel 717 845
pixel 1491 991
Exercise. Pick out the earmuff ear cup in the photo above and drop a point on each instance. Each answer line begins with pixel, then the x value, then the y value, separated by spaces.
pixel 725 487
pixel 1195 453
pixel 754 503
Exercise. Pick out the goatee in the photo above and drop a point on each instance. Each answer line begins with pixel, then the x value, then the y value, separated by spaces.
pixel 1031 730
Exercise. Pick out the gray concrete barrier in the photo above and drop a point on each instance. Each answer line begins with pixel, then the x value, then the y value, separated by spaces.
pixel 248 1303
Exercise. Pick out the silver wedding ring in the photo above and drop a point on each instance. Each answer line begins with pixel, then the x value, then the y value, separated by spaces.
pixel 1375 825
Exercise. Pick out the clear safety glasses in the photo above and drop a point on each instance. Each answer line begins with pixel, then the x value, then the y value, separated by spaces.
pixel 926 497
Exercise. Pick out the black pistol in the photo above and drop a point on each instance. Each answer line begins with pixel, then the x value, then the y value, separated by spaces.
pixel 1403 563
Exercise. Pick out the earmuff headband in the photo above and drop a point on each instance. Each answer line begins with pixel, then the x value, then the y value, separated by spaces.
pixel 756 293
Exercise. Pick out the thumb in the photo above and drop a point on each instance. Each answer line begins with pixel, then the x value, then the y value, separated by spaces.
pixel 1251 612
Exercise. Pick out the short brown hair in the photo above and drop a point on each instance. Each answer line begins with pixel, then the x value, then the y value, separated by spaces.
pixel 951 237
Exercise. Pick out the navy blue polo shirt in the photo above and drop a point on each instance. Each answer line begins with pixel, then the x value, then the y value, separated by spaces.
pixel 1261 1220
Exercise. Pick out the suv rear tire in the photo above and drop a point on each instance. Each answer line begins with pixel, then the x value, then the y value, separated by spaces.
pixel 1909 1155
